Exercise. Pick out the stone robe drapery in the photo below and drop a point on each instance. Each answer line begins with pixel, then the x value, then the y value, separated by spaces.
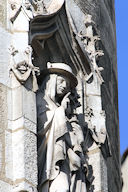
pixel 51 146
pixel 60 168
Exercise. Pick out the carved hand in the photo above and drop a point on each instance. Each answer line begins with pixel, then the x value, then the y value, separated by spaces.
pixel 65 101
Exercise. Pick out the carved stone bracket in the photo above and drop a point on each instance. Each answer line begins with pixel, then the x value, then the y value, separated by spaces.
pixel 22 66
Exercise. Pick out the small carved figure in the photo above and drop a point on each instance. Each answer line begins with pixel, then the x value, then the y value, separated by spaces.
pixel 22 66
pixel 60 138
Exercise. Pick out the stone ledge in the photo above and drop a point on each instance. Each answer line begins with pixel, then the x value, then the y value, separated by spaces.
pixel 24 185
pixel 21 123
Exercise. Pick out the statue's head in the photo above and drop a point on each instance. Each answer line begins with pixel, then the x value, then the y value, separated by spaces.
pixel 58 79
pixel 61 69
pixel 63 85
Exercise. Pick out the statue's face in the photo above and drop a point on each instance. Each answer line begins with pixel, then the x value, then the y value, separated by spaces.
pixel 62 85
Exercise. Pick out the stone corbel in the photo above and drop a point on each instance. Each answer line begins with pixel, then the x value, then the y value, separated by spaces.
pixel 22 66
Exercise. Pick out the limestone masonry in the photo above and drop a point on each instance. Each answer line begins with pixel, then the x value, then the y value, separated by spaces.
pixel 59 129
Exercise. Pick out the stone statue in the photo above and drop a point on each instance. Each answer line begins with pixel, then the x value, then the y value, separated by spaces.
pixel 60 138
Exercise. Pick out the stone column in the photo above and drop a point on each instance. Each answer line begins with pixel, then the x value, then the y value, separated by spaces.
pixel 18 154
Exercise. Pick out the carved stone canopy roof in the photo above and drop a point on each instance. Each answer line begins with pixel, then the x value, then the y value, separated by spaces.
pixel 53 40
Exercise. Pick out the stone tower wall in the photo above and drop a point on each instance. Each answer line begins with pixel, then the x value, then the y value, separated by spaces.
pixel 18 162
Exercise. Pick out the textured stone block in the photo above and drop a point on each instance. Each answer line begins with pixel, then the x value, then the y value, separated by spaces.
pixel 1 155
pixel 21 102
pixel 93 88
pixel 14 83
pixel 5 187
pixel 99 170
pixel 29 105
pixel 5 41
pixel 21 123
pixel 19 187
pixel 21 23
pixel 94 102
pixel 21 156
pixel 3 12
pixel 14 125
pixel 8 156
pixel 30 157
pixel 3 108
pixel 29 125
pixel 20 40
pixel 15 103
pixel 24 187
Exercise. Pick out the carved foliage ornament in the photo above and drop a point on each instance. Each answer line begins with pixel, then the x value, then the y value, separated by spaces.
pixel 89 40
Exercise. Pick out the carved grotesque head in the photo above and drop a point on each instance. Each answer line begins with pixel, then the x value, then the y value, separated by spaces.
pixel 22 67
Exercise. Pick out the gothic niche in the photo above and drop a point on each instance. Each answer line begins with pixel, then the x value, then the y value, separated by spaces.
pixel 65 52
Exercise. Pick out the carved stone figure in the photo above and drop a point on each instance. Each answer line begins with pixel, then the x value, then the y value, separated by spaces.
pixel 22 66
pixel 60 138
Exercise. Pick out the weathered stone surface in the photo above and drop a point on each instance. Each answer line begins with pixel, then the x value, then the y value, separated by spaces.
pixel 8 156
pixel 20 156
pixel 23 187
pixel 18 163
pixel 30 157
pixel 18 151
pixel 94 102
pixel 23 43
pixel 19 187
pixel 18 99
pixel 5 41
pixel 124 170
pixel 5 187
pixel 103 14
pixel 99 170
pixel 3 108
pixel 21 123
pixel 14 83
pixel 3 13
pixel 93 89
pixel 15 102
pixel 21 23
pixel 29 100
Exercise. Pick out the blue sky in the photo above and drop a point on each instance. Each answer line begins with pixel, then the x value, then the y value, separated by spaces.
pixel 121 8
